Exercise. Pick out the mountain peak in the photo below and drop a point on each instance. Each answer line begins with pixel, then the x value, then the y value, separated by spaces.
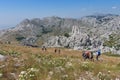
pixel 25 21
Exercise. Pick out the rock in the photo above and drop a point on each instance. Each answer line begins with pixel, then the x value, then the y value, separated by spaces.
pixel 77 40
pixel 2 58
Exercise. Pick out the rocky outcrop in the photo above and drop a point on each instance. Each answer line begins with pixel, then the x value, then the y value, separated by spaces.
pixel 77 40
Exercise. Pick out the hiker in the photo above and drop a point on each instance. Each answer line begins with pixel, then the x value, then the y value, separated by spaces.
pixel 44 48
pixel 86 55
pixel 59 51
pixel 98 54
pixel 55 50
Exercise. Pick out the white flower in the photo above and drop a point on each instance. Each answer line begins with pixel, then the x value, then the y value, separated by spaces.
pixel 33 70
pixel 59 69
pixel 23 72
pixel 1 74
pixel 32 75
pixel 68 64
pixel 51 73
pixel 100 75
pixel 109 72
pixel 65 76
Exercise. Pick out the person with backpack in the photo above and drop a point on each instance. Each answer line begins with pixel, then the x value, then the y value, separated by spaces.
pixel 44 48
pixel 98 54
pixel 86 55
pixel 55 50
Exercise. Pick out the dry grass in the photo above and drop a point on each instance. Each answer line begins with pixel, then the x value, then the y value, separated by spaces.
pixel 29 57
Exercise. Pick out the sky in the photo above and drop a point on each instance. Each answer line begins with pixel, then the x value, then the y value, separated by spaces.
pixel 12 12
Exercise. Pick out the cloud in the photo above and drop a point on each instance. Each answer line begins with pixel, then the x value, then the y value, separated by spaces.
pixel 114 7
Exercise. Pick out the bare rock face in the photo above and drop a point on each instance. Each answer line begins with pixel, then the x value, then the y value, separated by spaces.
pixel 76 40
pixel 56 41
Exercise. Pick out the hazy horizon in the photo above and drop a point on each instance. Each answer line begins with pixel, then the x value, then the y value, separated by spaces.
pixel 14 11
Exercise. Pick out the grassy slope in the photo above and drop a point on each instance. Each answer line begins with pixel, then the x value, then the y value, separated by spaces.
pixel 48 65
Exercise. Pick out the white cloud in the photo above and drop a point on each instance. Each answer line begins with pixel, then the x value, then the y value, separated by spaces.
pixel 114 7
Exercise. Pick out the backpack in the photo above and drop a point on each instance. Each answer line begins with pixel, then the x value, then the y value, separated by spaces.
pixel 87 53
pixel 99 53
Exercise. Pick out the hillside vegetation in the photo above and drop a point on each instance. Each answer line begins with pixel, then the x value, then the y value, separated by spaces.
pixel 27 63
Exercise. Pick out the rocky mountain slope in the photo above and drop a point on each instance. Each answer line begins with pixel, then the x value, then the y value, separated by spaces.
pixel 38 29
pixel 88 32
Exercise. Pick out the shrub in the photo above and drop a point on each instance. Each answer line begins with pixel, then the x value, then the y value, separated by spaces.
pixel 29 74
pixel 20 38
pixel 66 35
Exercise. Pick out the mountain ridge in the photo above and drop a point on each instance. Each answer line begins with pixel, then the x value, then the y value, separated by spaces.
pixel 37 31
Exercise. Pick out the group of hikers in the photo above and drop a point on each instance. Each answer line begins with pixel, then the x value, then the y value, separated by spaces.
pixel 85 54
pixel 56 50
pixel 44 48
pixel 90 55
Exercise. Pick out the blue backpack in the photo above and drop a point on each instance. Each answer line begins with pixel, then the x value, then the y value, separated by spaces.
pixel 99 52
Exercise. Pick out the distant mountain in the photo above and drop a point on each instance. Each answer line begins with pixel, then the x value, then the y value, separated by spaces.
pixel 39 31
pixel 38 28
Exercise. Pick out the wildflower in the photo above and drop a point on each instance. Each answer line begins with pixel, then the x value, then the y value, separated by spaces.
pixel 59 69
pixel 65 76
pixel 31 75
pixel 85 65
pixel 100 75
pixel 33 70
pixel 1 74
pixel 68 64
pixel 23 72
pixel 109 72
pixel 51 73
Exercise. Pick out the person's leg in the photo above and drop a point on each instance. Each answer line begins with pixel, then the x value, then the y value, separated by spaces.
pixel 85 57
pixel 98 56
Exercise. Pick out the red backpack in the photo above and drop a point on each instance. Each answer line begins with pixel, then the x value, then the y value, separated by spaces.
pixel 87 53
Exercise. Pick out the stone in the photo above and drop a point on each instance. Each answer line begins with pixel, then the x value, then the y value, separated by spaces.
pixel 2 58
